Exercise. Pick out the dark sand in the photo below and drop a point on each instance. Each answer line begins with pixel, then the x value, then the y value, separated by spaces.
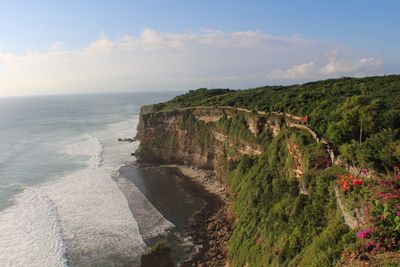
pixel 199 216
pixel 168 193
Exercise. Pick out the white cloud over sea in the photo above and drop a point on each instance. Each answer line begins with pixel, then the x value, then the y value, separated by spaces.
pixel 159 60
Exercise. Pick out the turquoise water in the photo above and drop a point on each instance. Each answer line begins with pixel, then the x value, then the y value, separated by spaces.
pixel 60 200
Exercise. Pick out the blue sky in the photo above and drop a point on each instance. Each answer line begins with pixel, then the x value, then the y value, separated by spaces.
pixel 366 28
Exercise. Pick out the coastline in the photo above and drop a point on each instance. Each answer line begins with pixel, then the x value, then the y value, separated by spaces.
pixel 208 228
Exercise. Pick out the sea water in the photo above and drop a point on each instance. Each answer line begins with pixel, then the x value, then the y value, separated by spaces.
pixel 62 201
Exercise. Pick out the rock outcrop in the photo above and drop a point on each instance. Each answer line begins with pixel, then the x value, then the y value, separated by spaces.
pixel 208 138
pixel 166 137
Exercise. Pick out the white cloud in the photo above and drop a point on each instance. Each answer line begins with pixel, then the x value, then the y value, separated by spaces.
pixel 301 71
pixel 360 66
pixel 158 60
pixel 57 47
pixel 102 45
pixel 333 68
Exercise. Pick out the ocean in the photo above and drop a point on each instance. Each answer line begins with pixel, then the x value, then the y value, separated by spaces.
pixel 63 201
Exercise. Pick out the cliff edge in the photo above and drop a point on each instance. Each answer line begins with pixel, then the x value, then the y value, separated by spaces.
pixel 302 186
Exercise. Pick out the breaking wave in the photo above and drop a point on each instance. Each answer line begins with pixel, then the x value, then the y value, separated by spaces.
pixel 83 218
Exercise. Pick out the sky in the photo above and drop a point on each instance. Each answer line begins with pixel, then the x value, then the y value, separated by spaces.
pixel 59 47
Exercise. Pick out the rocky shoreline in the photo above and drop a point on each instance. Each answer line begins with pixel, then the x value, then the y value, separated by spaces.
pixel 211 227
pixel 211 230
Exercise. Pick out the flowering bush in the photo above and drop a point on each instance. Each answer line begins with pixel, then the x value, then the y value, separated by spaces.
pixel 357 182
pixel 364 172
pixel 382 197
pixel 385 213
pixel 348 182
pixel 364 234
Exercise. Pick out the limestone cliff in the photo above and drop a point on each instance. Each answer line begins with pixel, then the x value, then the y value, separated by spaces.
pixel 197 136
pixel 281 174
pixel 200 137
pixel 287 158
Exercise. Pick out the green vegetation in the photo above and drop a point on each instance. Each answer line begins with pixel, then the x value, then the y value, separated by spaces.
pixel 160 247
pixel 159 255
pixel 277 224
pixel 337 108
pixel 191 98
pixel 236 128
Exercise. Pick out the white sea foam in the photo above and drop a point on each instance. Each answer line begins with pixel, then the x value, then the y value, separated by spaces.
pixel 95 216
pixel 11 186
pixel 83 215
pixel 86 145
pixel 117 154
pixel 111 154
pixel 151 222
pixel 31 233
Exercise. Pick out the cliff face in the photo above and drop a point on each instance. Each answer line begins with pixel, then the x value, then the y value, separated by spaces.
pixel 196 136
pixel 277 172
pixel 281 174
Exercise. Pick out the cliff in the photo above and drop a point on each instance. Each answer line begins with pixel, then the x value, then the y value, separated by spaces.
pixel 222 139
pixel 282 173
pixel 199 136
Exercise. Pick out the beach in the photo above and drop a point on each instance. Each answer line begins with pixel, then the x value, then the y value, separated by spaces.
pixel 195 203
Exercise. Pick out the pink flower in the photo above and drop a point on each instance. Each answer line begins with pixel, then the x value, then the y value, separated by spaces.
pixel 364 172
pixel 385 182
pixel 364 234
